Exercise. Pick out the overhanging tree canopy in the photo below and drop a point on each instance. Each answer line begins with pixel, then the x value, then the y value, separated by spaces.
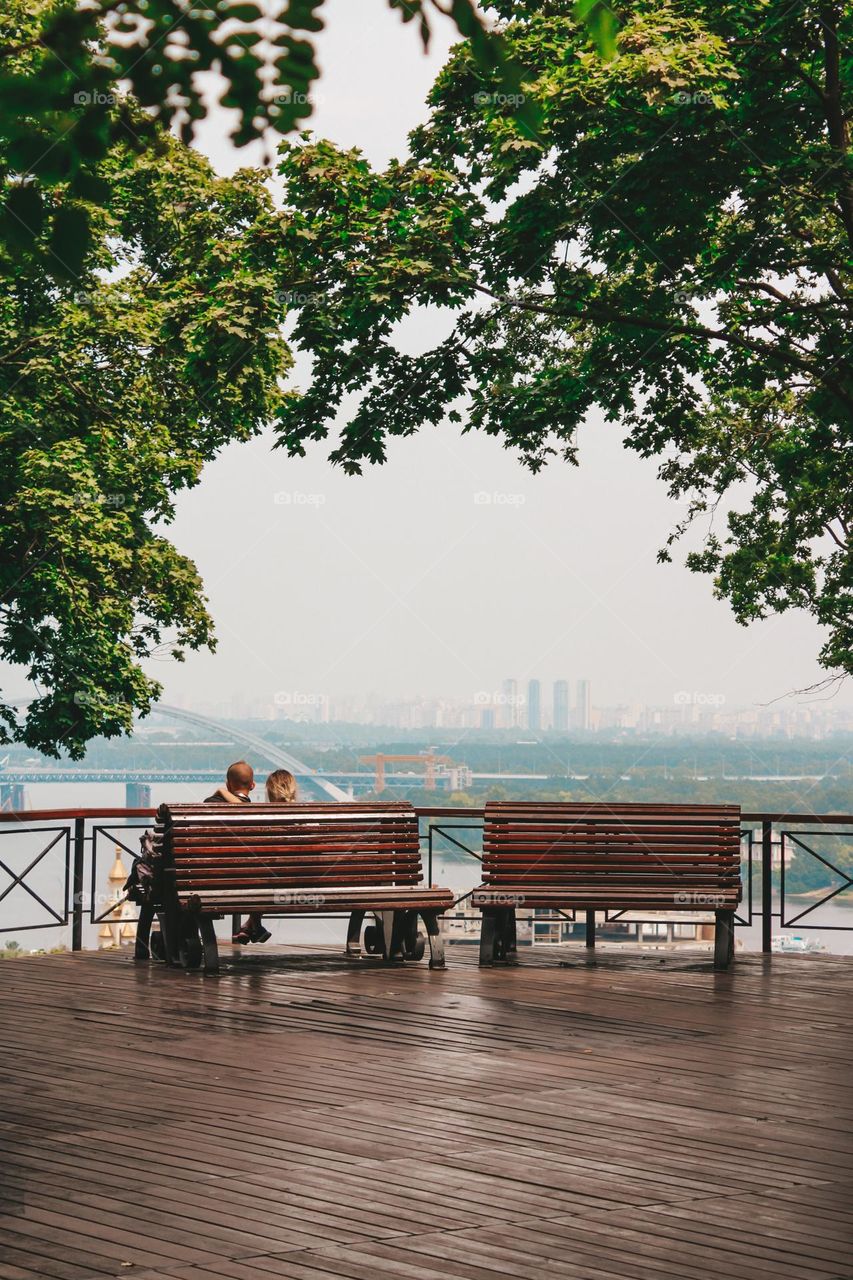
pixel 139 318
pixel 66 67
pixel 674 246
pixel 112 397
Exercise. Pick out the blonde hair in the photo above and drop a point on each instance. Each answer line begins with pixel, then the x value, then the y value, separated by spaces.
pixel 281 787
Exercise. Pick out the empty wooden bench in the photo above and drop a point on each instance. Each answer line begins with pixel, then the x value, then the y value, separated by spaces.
pixel 295 859
pixel 600 857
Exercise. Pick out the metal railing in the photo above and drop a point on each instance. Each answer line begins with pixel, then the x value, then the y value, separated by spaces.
pixel 73 842
pixel 767 839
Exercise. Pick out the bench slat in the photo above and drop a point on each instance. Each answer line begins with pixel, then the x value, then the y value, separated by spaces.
pixel 274 856
pixel 583 852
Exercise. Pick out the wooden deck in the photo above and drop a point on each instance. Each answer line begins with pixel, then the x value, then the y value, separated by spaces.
pixel 308 1117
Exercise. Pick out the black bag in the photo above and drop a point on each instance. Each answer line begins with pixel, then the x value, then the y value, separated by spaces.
pixel 140 885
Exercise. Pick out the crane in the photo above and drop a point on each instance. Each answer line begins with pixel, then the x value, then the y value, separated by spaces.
pixel 427 758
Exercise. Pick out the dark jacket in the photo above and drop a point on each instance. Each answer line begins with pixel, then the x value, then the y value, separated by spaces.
pixel 216 798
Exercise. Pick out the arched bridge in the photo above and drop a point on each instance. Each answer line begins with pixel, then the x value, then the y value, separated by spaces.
pixel 259 746
pixel 137 782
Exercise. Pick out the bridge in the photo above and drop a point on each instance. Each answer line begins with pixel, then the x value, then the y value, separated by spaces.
pixel 138 782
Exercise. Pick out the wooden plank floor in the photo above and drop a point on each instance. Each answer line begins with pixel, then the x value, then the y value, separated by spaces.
pixel 310 1117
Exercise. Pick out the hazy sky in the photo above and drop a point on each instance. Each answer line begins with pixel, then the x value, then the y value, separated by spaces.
pixel 400 582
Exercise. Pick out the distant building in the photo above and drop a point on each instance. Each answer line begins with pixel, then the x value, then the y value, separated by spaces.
pixel 487 718
pixel 534 705
pixel 511 705
pixel 561 705
pixel 583 717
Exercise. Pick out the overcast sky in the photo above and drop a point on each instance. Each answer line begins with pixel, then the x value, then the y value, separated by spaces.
pixel 400 582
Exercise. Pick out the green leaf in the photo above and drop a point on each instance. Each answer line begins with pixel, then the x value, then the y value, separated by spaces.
pixel 601 21
pixel 70 237
pixel 24 213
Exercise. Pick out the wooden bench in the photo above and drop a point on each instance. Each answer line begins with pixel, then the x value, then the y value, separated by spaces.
pixel 600 857
pixel 294 859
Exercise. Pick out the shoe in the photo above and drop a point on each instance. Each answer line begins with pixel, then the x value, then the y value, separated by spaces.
pixel 261 935
pixel 242 938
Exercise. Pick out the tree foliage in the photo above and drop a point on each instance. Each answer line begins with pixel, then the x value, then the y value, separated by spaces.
pixel 72 76
pixel 114 391
pixel 673 245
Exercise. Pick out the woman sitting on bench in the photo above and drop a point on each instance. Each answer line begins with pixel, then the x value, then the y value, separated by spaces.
pixel 280 789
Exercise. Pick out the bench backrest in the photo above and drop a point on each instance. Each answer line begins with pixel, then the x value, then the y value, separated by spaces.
pixel 269 846
pixel 545 845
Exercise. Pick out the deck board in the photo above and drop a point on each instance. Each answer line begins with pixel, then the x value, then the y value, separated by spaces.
pixel 305 1116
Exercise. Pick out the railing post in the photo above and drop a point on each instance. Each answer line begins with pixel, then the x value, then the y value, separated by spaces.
pixel 429 854
pixel 766 886
pixel 77 884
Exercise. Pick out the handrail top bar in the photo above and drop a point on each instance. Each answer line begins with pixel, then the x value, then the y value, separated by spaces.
pixel 39 815
pixel 461 812
pixel 423 811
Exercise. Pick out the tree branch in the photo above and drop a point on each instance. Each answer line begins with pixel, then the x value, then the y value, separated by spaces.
pixel 608 315
pixel 834 111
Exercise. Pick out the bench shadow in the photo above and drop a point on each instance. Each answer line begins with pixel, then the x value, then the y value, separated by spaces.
pixel 696 961
pixel 238 962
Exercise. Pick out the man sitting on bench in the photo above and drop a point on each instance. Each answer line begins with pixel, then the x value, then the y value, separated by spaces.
pixel 239 781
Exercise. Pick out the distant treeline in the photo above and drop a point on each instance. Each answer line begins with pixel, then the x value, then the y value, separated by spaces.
pixel 651 768
pixel 338 747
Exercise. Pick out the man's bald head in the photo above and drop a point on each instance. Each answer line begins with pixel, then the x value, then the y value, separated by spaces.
pixel 240 776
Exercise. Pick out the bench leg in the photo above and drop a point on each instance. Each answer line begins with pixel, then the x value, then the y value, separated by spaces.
pixel 356 920
pixel 590 928
pixel 208 942
pixel 157 940
pixel 506 947
pixel 488 937
pixel 511 933
pixel 401 934
pixel 724 939
pixel 412 941
pixel 190 948
pixel 387 921
pixel 171 928
pixel 436 941
pixel 141 949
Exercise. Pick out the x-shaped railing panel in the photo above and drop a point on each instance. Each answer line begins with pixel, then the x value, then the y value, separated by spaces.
pixel 794 837
pixel 19 879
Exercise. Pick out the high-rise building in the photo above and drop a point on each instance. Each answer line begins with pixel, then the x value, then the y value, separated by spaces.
pixel 534 705
pixel 510 705
pixel 583 718
pixel 561 705
pixel 487 718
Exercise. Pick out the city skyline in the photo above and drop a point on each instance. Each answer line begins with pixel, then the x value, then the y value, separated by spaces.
pixel 690 711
